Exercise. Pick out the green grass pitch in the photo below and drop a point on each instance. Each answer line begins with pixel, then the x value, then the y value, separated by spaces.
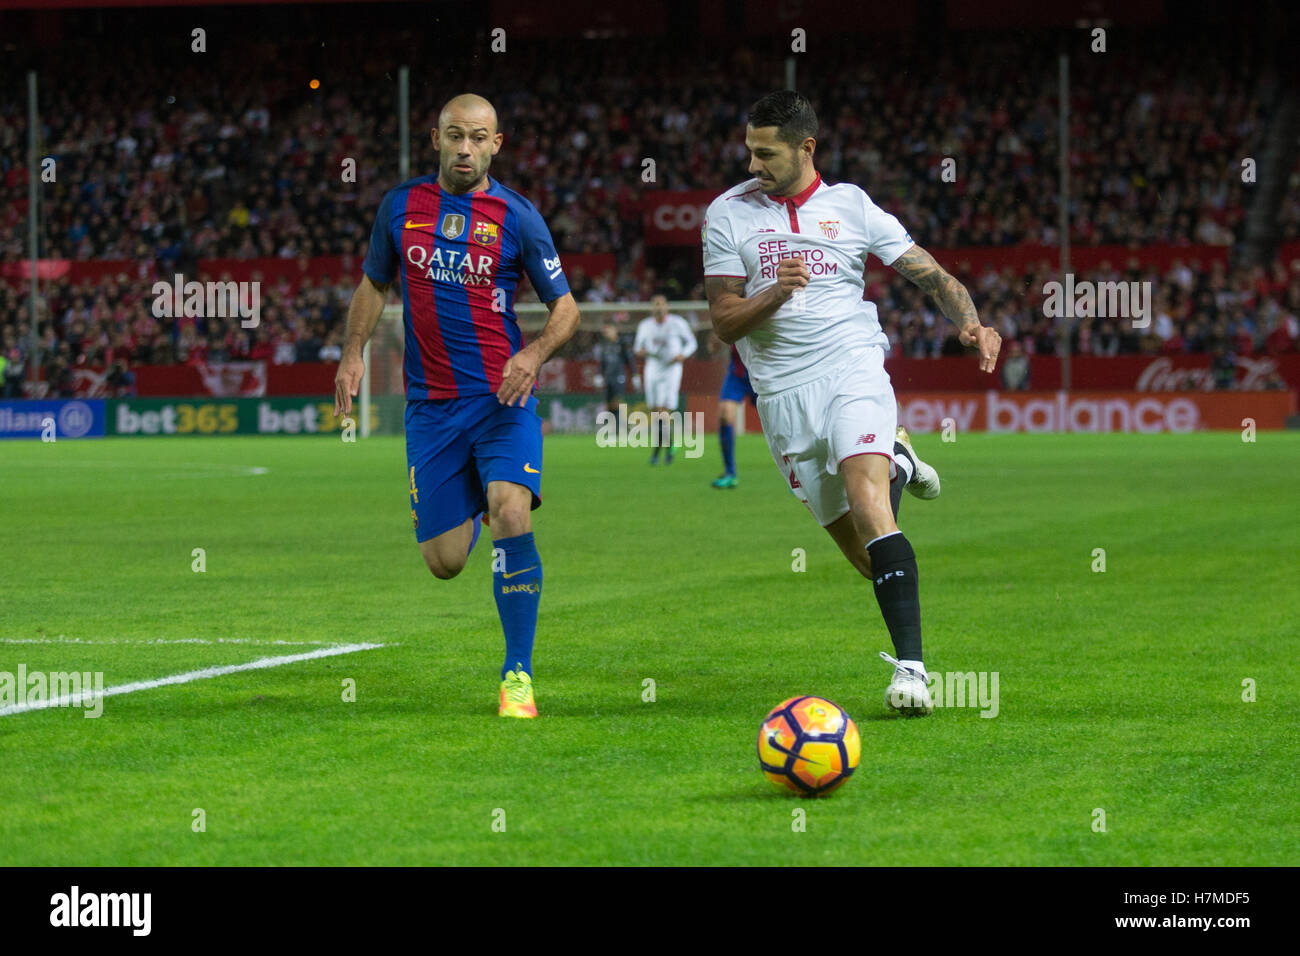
pixel 1119 691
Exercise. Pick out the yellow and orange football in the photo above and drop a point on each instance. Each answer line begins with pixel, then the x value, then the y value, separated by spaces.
pixel 808 745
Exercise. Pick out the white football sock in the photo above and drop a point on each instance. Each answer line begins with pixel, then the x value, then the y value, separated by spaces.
pixel 905 470
pixel 914 665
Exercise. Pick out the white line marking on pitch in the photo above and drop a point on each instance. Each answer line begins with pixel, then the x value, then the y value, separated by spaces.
pixel 194 471
pixel 167 640
pixel 76 700
pixel 240 472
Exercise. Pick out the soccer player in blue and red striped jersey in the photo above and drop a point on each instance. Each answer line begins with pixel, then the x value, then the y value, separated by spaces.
pixel 459 243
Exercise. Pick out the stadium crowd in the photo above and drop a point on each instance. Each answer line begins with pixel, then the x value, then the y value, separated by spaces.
pixel 241 161
pixel 251 166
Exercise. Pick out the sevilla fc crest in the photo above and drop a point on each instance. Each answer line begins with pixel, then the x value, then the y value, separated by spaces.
pixel 830 228
pixel 485 233
pixel 453 225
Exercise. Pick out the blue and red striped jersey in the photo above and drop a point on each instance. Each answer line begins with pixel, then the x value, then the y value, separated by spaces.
pixel 460 258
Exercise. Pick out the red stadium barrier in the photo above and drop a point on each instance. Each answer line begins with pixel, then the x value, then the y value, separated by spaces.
pixel 173 381
pixel 220 379
pixel 1136 373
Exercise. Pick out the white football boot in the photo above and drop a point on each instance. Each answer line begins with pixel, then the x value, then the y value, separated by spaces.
pixel 925 483
pixel 907 692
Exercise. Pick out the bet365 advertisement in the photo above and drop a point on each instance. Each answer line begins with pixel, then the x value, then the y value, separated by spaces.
pixel 231 416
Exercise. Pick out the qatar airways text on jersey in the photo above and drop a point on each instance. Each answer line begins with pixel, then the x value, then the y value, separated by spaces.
pixel 461 257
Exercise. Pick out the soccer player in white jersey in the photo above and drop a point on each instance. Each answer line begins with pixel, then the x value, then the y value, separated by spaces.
pixel 784 255
pixel 665 340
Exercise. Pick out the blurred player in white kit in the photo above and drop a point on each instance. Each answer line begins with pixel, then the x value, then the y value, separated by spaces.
pixel 665 340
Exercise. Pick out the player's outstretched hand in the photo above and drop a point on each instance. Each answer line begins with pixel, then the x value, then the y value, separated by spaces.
pixel 986 340
pixel 518 377
pixel 791 276
pixel 347 382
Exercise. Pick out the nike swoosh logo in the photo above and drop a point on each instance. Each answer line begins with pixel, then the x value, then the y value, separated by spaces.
pixel 531 470
pixel 418 225
pixel 780 748
pixel 513 573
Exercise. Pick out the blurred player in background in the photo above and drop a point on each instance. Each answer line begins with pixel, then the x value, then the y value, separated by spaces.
pixel 735 390
pixel 614 358
pixel 784 255
pixel 665 340
pixel 459 242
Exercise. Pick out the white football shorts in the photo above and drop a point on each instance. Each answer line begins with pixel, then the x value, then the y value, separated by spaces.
pixel 812 428
pixel 663 383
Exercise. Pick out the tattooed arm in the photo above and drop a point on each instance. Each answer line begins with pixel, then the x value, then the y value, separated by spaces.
pixel 920 268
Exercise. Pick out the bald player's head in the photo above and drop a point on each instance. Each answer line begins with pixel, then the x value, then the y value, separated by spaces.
pixel 471 107
pixel 466 138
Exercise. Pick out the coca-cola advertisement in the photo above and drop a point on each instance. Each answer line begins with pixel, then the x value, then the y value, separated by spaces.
pixel 1253 374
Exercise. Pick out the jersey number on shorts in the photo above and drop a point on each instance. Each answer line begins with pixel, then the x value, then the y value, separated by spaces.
pixel 794 482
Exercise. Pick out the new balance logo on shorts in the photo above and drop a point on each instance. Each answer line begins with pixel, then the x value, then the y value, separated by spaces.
pixel 866 439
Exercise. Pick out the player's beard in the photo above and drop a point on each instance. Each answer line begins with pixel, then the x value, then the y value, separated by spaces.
pixel 784 186
pixel 462 180
pixel 779 186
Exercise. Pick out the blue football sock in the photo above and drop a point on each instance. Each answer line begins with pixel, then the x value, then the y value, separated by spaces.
pixel 518 591
pixel 478 527
pixel 727 436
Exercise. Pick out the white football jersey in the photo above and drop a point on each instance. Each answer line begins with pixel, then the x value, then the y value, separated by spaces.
pixel 665 341
pixel 832 228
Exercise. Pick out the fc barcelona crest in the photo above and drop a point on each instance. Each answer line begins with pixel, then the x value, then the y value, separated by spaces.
pixel 485 233
pixel 830 228
pixel 453 225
